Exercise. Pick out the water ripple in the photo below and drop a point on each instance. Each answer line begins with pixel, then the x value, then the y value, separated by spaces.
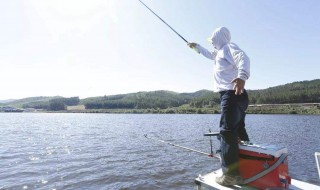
pixel 105 151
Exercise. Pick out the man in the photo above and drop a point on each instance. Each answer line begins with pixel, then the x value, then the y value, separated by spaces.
pixel 231 70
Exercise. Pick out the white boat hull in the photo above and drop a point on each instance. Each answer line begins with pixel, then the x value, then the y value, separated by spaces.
pixel 207 182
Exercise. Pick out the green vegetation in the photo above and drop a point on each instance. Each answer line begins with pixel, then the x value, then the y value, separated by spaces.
pixel 297 92
pixel 141 100
pixel 305 108
pixel 53 104
pixel 289 99
pixel 32 100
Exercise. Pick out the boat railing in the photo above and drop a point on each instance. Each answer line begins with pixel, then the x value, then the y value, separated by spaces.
pixel 317 155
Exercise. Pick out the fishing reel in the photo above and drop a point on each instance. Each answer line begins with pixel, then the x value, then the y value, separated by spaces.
pixel 212 134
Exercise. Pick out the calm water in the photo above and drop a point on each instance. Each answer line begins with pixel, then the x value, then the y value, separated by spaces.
pixel 105 151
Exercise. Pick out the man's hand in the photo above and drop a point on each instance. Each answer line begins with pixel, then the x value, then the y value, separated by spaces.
pixel 192 45
pixel 238 86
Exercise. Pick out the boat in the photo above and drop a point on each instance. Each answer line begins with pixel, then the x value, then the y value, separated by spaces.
pixel 207 182
pixel 262 167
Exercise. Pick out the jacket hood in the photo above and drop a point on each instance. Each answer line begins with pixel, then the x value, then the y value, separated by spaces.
pixel 220 37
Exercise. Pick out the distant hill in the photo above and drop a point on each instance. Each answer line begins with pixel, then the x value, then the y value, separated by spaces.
pixel 297 92
pixel 20 102
pixel 6 101
pixel 141 100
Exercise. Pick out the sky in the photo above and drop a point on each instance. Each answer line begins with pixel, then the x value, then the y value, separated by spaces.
pixel 105 47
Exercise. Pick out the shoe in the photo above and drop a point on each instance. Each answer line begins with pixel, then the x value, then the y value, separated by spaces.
pixel 246 143
pixel 227 180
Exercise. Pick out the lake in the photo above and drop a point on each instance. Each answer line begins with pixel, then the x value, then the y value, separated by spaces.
pixel 109 151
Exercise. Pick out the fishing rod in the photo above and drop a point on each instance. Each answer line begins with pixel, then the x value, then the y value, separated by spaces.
pixel 183 147
pixel 165 22
pixel 211 147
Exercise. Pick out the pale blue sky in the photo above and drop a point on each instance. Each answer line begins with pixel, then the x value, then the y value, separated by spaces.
pixel 104 47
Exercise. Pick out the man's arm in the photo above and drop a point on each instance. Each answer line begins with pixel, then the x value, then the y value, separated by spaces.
pixel 242 62
pixel 203 51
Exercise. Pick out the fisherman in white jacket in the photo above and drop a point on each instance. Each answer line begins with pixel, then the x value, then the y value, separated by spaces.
pixel 231 70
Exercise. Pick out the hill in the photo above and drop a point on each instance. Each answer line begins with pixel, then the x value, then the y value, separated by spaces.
pixel 143 100
pixel 201 101
pixel 21 102
pixel 292 93
pixel 6 101
pixel 54 103
pixel 297 92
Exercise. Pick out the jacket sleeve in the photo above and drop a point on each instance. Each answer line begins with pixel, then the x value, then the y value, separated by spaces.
pixel 242 62
pixel 208 54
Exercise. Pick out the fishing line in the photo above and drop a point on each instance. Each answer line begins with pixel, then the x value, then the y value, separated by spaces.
pixel 183 147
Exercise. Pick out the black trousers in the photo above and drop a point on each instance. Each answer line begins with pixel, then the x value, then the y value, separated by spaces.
pixel 232 127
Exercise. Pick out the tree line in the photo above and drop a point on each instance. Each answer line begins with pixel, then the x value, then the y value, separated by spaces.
pixel 140 100
pixel 297 92
pixel 55 104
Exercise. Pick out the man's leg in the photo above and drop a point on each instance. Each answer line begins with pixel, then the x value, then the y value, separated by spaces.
pixel 230 117
pixel 232 113
pixel 242 133
pixel 243 105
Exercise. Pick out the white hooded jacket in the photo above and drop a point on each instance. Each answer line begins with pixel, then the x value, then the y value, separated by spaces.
pixel 230 61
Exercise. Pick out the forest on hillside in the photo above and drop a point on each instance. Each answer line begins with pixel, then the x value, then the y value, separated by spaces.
pixel 297 92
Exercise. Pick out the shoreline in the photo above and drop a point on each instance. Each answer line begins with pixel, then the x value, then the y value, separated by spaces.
pixel 300 109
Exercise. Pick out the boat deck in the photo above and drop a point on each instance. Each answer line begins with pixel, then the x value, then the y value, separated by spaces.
pixel 207 182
